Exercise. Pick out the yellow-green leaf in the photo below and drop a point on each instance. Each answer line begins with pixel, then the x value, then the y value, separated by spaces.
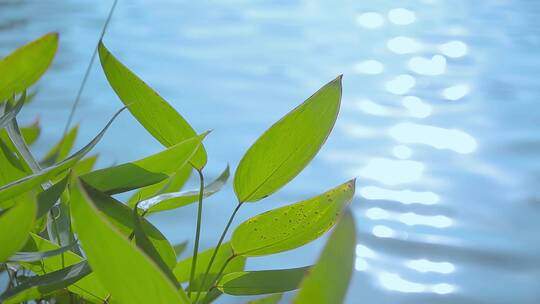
pixel 291 226
pixel 129 275
pixel 153 112
pixel 61 150
pixel 15 226
pixel 329 278
pixel 288 146
pixel 24 66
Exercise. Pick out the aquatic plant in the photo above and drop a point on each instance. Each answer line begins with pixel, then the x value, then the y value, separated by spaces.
pixel 66 238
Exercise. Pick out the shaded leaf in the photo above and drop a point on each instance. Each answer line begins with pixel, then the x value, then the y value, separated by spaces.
pixel 169 201
pixel 15 225
pixel 114 267
pixel 262 282
pixel 273 299
pixel 29 182
pixel 47 198
pixel 288 146
pixel 121 217
pixel 31 133
pixel 291 226
pixel 24 66
pixel 329 278
pixel 40 286
pixel 89 288
pixel 143 172
pixel 180 248
pixel 34 256
pixel 154 113
pixel 144 243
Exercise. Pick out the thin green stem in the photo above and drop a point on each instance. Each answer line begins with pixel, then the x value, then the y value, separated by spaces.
pixel 220 272
pixel 214 254
pixel 88 68
pixel 198 231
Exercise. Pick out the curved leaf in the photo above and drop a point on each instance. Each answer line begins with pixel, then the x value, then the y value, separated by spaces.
pixel 291 226
pixel 11 113
pixel 143 172
pixel 29 182
pixel 329 279
pixel 183 268
pixel 40 286
pixel 61 150
pixel 34 256
pixel 47 198
pixel 121 217
pixel 89 288
pixel 262 282
pixel 172 184
pixel 24 66
pixel 151 110
pixel 113 258
pixel 288 146
pixel 169 201
pixel 15 225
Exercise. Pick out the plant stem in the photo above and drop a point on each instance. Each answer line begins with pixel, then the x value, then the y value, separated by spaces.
pixel 220 272
pixel 88 68
pixel 231 218
pixel 198 231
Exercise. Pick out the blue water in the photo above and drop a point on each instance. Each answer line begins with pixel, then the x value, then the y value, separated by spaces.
pixel 440 122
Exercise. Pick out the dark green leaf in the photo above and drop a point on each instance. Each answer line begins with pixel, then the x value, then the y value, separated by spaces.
pixel 328 280
pixel 143 172
pixel 180 248
pixel 129 275
pixel 262 282
pixel 121 217
pixel 39 286
pixel 61 150
pixel 291 226
pixel 288 146
pixel 50 196
pixel 273 299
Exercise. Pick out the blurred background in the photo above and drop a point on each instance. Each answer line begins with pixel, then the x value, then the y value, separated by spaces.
pixel 440 122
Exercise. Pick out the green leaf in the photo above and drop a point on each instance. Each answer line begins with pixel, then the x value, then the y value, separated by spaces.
pixel 129 275
pixel 183 268
pixel 283 151
pixel 262 282
pixel 273 299
pixel 172 184
pixel 34 256
pixel 143 172
pixel 61 150
pixel 15 225
pixel 328 280
pixel 144 243
pixel 11 170
pixel 153 112
pixel 47 198
pixel 24 66
pixel 85 165
pixel 89 288
pixel 169 201
pixel 29 182
pixel 180 248
pixel 31 132
pixel 11 113
pixel 40 286
pixel 121 217
pixel 291 226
